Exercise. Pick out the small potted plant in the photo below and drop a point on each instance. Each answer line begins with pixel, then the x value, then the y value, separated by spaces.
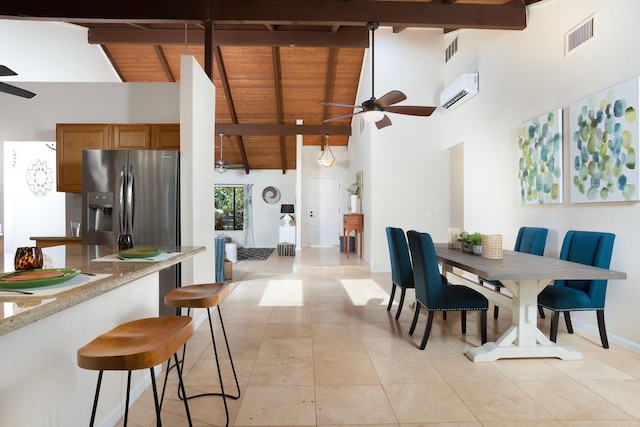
pixel 354 193
pixel 471 243
pixel 475 240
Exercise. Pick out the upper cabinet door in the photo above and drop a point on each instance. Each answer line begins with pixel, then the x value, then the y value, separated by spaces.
pixel 131 137
pixel 71 140
pixel 165 137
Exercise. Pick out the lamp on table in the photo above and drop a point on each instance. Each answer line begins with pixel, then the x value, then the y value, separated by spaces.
pixel 287 210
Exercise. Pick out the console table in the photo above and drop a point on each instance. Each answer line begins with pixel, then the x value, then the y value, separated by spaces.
pixel 352 222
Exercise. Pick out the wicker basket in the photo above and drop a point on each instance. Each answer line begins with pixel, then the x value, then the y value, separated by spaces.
pixel 228 270
pixel 492 246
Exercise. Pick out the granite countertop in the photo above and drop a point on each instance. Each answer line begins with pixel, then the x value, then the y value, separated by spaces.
pixel 18 310
pixel 54 238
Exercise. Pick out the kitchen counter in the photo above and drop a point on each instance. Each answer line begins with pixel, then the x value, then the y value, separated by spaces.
pixel 40 335
pixel 28 309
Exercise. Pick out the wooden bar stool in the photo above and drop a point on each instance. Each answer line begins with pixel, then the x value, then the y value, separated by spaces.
pixel 140 344
pixel 205 296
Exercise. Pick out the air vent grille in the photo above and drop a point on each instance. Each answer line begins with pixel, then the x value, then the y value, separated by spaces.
pixel 579 35
pixel 451 50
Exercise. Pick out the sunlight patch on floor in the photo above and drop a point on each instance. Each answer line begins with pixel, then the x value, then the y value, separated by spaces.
pixel 365 292
pixel 283 293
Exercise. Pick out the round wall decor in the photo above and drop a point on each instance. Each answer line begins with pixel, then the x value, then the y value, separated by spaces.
pixel 271 195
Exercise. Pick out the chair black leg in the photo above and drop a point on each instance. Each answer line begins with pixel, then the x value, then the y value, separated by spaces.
pixel 567 321
pixel 415 318
pixel 393 293
pixel 553 335
pixel 483 326
pixel 403 291
pixel 427 330
pixel 444 315
pixel 181 383
pixel 95 400
pixel 603 330
pixel 541 311
pixel 463 321
pixel 496 310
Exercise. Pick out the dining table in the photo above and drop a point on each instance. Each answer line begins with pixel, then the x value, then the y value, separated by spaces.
pixel 525 276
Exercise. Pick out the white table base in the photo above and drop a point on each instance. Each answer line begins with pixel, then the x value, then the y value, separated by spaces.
pixel 523 339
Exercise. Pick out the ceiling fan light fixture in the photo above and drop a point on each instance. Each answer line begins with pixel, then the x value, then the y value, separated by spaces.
pixel 373 115
pixel 326 159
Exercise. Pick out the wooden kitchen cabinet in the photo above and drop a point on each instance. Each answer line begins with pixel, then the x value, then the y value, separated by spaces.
pixel 71 139
pixel 165 137
pixel 131 137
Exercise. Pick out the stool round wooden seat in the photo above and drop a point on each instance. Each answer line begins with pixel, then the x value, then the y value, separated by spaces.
pixel 139 344
pixel 206 296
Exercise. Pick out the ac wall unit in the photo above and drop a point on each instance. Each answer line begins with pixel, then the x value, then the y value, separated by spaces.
pixel 459 91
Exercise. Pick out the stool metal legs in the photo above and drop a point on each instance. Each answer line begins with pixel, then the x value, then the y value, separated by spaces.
pixel 215 350
pixel 158 404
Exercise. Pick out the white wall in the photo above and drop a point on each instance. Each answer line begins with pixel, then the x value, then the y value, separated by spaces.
pixel 405 169
pixel 522 75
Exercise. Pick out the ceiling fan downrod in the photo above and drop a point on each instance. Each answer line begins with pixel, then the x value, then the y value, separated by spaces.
pixel 373 26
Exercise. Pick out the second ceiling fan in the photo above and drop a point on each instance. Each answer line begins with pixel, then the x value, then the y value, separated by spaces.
pixel 374 109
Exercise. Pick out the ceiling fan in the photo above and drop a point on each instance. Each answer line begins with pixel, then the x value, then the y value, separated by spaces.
pixel 374 109
pixel 10 89
pixel 222 165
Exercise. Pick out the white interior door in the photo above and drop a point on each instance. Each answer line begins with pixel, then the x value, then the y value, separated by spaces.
pixel 324 211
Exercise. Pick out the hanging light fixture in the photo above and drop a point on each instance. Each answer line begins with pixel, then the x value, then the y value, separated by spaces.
pixel 221 165
pixel 326 159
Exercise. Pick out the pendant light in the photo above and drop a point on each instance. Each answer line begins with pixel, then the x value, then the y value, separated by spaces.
pixel 326 159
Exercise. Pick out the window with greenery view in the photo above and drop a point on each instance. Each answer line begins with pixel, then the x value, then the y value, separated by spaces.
pixel 229 207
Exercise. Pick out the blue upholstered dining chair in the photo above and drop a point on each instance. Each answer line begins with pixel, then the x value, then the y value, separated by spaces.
pixel 531 240
pixel 435 294
pixel 585 247
pixel 401 270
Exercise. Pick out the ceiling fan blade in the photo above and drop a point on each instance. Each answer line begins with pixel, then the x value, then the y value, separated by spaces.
pixel 13 90
pixel 411 110
pixel 344 116
pixel 384 122
pixel 335 104
pixel 390 98
pixel 6 71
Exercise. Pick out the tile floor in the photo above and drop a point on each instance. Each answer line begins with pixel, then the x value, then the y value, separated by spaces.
pixel 318 348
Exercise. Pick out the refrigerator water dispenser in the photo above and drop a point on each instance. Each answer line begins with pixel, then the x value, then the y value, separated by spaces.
pixel 99 211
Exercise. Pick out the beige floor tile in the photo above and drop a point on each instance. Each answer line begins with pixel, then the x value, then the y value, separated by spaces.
pixel 570 400
pixel 286 348
pixel 422 403
pixel 287 330
pixel 281 372
pixel 414 369
pixel 264 406
pixel 529 369
pixel 499 401
pixel 354 404
pixel 458 368
pixel 590 369
pixel 346 371
pixel 623 394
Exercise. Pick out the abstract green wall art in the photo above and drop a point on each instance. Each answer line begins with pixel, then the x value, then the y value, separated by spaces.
pixel 603 146
pixel 540 159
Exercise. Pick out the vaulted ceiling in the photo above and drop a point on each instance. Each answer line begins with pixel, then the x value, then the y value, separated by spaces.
pixel 271 61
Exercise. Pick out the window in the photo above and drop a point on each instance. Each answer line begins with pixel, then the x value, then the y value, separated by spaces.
pixel 229 207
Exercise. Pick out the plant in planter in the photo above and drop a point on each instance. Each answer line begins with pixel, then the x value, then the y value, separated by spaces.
pixel 471 243
pixel 354 192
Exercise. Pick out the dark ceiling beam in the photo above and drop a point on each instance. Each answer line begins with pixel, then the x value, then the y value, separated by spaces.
pixel 114 64
pixel 164 63
pixel 278 12
pixel 346 37
pixel 282 129
pixel 277 82
pixel 230 104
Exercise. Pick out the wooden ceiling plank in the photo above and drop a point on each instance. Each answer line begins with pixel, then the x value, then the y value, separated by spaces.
pixel 165 65
pixel 328 86
pixel 347 37
pixel 282 129
pixel 280 12
pixel 114 64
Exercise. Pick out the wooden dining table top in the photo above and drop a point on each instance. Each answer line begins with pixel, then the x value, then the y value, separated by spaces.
pixel 522 266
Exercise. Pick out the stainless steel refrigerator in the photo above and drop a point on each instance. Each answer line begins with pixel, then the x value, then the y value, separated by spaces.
pixel 135 192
